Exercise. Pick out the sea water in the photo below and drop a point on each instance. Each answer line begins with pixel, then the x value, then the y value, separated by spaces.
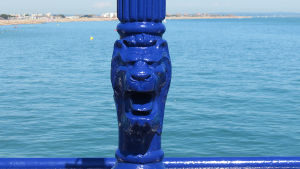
pixel 235 89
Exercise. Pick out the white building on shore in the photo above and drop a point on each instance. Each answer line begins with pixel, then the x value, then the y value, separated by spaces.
pixel 109 15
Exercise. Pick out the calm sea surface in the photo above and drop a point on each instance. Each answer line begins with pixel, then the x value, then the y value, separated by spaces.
pixel 235 89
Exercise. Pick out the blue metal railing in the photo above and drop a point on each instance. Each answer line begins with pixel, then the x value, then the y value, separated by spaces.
pixel 107 163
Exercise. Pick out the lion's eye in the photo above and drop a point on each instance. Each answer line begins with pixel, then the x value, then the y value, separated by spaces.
pixel 150 63
pixel 131 63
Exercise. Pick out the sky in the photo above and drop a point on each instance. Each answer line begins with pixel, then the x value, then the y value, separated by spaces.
pixel 173 6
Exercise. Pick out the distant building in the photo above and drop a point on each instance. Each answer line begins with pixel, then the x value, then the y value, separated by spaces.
pixel 178 15
pixel 48 15
pixel 72 17
pixel 109 15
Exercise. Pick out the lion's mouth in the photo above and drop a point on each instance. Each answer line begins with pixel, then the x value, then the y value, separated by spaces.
pixel 141 103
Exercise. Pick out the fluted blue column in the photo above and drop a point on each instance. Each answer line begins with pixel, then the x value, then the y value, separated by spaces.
pixel 140 76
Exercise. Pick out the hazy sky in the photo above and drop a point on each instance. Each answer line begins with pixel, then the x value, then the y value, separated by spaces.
pixel 173 6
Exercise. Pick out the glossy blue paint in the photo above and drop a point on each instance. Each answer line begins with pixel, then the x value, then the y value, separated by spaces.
pixel 170 163
pixel 135 28
pixel 140 76
pixel 141 10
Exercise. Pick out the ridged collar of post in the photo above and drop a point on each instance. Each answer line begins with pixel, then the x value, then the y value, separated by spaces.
pixel 141 16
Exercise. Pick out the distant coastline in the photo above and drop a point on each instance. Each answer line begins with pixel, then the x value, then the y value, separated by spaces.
pixel 41 21
pixel 209 17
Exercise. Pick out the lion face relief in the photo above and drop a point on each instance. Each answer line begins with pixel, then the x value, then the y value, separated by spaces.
pixel 141 77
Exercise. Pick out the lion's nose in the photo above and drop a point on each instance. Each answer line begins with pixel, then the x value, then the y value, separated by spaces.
pixel 140 76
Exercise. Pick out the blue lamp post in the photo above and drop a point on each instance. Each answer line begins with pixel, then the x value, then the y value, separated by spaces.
pixel 140 76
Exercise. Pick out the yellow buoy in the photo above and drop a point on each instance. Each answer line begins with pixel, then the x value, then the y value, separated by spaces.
pixel 91 38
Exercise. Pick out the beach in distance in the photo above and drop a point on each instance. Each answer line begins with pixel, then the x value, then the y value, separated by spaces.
pixel 40 21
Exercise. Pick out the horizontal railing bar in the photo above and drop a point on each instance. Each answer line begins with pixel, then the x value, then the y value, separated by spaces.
pixel 107 163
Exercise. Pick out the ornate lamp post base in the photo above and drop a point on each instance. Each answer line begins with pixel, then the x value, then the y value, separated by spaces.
pixel 140 76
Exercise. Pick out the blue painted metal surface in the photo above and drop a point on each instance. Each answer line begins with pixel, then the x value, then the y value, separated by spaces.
pixel 140 76
pixel 171 163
